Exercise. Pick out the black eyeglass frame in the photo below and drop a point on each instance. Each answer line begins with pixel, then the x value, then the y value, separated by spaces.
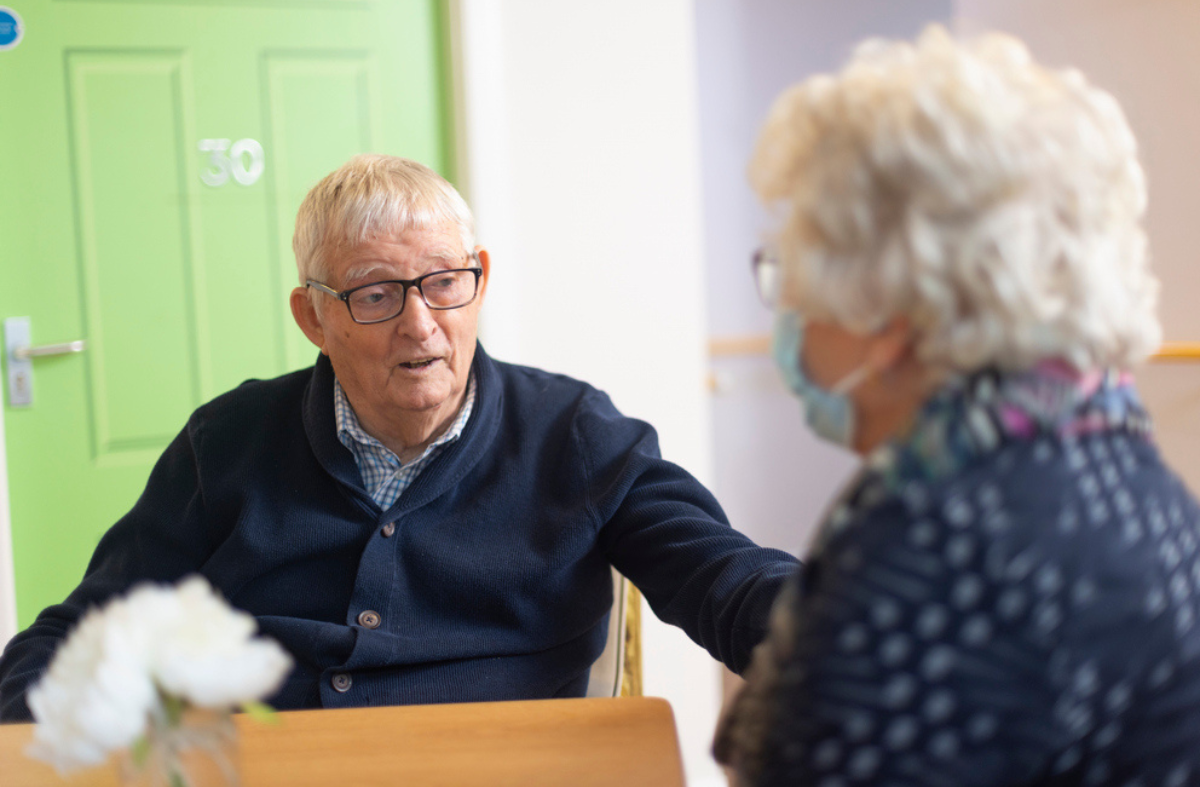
pixel 344 295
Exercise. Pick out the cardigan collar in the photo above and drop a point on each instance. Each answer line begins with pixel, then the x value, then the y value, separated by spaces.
pixel 442 473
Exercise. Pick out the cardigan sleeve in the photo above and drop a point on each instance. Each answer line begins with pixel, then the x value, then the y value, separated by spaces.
pixel 666 533
pixel 161 539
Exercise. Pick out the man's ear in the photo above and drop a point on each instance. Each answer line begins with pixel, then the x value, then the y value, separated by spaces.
pixel 305 314
pixel 485 262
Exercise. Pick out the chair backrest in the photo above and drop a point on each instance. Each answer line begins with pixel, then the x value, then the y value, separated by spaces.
pixel 618 671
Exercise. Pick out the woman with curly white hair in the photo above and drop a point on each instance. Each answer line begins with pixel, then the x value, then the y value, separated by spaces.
pixel 1009 591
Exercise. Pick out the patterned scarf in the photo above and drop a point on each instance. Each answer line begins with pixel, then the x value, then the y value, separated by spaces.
pixel 973 415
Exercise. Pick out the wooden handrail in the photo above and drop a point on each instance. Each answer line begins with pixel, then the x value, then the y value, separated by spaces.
pixel 722 346
pixel 760 344
pixel 1177 351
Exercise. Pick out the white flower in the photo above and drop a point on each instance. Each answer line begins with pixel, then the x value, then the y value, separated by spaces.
pixel 206 652
pixel 112 670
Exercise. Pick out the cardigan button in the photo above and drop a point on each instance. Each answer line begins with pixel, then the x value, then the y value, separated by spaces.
pixel 342 682
pixel 389 530
pixel 369 618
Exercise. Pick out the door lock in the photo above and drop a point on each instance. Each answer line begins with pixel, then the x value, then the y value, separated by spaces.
pixel 20 358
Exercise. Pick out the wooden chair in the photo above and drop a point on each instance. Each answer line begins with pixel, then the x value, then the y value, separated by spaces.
pixel 618 671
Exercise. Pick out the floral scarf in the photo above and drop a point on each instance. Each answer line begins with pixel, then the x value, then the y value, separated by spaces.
pixel 974 415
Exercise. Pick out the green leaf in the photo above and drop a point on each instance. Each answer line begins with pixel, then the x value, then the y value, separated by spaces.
pixel 177 779
pixel 174 707
pixel 139 751
pixel 260 712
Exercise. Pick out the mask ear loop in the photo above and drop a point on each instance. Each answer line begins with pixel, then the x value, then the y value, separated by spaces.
pixel 852 380
pixel 856 377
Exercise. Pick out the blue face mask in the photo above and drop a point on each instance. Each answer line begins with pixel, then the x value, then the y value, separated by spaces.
pixel 829 413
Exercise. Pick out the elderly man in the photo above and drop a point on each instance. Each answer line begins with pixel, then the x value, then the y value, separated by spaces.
pixel 413 520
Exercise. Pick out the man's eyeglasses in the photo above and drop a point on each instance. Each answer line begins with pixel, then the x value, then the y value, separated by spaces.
pixel 767 276
pixel 380 301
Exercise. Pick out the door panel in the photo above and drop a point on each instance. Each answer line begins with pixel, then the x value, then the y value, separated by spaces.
pixel 293 83
pixel 108 117
pixel 136 266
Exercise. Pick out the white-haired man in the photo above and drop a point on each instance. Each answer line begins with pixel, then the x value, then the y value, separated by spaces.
pixel 413 520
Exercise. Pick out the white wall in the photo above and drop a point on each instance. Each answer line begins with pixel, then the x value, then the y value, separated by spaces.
pixel 583 170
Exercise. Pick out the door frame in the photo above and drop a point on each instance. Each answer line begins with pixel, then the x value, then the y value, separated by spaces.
pixel 8 585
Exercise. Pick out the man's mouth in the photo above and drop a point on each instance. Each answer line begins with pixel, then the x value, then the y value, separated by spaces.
pixel 421 364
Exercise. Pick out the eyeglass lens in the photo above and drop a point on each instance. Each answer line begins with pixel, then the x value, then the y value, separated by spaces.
pixel 766 277
pixel 441 290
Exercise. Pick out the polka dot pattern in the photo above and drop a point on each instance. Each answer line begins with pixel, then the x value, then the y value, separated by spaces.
pixel 1032 620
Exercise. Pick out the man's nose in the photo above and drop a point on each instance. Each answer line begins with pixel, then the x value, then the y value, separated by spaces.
pixel 417 319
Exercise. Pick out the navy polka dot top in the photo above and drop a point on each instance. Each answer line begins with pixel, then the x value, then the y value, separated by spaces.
pixel 1008 595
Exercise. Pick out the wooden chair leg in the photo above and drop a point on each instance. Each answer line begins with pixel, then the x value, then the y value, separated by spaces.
pixel 631 678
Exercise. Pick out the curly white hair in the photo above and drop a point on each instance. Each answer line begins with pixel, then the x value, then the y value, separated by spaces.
pixel 995 203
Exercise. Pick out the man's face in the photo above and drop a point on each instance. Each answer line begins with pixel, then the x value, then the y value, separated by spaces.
pixel 412 369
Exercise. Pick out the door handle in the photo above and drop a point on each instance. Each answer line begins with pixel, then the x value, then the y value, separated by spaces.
pixel 21 353
pixel 66 348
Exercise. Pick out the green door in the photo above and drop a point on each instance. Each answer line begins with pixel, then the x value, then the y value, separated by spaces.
pixel 152 158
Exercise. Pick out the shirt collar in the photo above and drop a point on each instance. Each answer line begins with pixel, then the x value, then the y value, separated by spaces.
pixel 352 435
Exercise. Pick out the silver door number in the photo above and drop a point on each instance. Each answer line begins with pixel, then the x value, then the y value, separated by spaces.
pixel 242 160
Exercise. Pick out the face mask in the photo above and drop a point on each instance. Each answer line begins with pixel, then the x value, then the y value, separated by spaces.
pixel 829 413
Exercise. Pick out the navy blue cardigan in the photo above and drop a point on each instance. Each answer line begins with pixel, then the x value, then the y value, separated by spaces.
pixel 495 584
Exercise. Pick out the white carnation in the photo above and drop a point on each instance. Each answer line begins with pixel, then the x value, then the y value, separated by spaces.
pixel 112 670
pixel 207 655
